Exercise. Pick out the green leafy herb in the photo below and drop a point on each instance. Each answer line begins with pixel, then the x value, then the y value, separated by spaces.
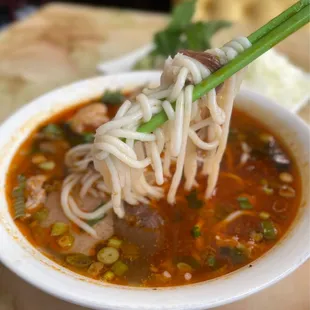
pixel 195 231
pixel 74 138
pixel 269 230
pixel 198 35
pixel 53 131
pixel 181 33
pixel 41 214
pixel 182 14
pixel 19 197
pixel 193 201
pixel 244 203
pixel 113 97
pixel 168 42
pixel 211 261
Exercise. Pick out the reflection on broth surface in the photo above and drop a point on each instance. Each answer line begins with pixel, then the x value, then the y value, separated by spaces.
pixel 156 244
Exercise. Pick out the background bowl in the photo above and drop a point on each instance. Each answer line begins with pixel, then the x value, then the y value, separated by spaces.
pixel 21 257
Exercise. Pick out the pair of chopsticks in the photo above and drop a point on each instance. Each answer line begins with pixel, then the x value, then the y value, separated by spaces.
pixel 262 40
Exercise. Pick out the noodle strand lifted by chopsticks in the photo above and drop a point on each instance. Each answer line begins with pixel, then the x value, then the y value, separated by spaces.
pixel 131 166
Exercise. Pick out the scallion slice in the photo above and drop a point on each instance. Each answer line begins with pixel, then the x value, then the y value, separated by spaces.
pixel 19 197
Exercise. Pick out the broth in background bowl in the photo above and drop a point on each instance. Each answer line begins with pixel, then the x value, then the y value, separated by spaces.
pixel 237 200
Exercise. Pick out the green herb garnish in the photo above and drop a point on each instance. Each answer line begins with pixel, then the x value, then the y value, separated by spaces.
pixel 181 33
pixel 244 203
pixel 74 138
pixel 53 131
pixel 269 230
pixel 113 97
pixel 211 261
pixel 193 201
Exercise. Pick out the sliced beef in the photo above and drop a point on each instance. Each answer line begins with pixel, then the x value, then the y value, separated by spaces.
pixel 92 115
pixel 89 203
pixel 36 194
pixel 210 61
pixel 143 226
pixel 83 242
pixel 55 213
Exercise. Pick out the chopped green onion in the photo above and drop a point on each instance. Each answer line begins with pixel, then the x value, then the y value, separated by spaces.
pixel 59 228
pixel 113 97
pixel 244 203
pixel 269 230
pixel 195 231
pixel 53 131
pixel 79 260
pixel 193 201
pixel 47 165
pixel 41 215
pixel 108 276
pixel 119 268
pixel 66 241
pixel 88 137
pixel 115 243
pixel 264 215
pixel 211 261
pixel 183 267
pixel 19 197
pixel 108 255
pixel 95 268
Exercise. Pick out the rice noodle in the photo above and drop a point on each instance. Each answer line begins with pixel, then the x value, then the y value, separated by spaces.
pixel 131 166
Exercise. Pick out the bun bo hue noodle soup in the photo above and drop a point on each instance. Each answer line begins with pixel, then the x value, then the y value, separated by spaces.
pixel 202 195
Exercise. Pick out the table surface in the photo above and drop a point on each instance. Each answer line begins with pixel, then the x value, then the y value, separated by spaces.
pixel 64 43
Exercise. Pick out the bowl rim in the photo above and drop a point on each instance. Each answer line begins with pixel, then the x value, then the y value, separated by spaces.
pixel 38 270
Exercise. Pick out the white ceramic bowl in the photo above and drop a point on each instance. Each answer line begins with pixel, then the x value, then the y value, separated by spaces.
pixel 21 257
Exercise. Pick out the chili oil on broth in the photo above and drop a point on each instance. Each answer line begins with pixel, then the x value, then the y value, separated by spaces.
pixel 258 187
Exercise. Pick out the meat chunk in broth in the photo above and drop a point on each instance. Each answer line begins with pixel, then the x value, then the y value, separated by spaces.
pixel 92 115
pixel 83 242
pixel 142 226
pixel 36 192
